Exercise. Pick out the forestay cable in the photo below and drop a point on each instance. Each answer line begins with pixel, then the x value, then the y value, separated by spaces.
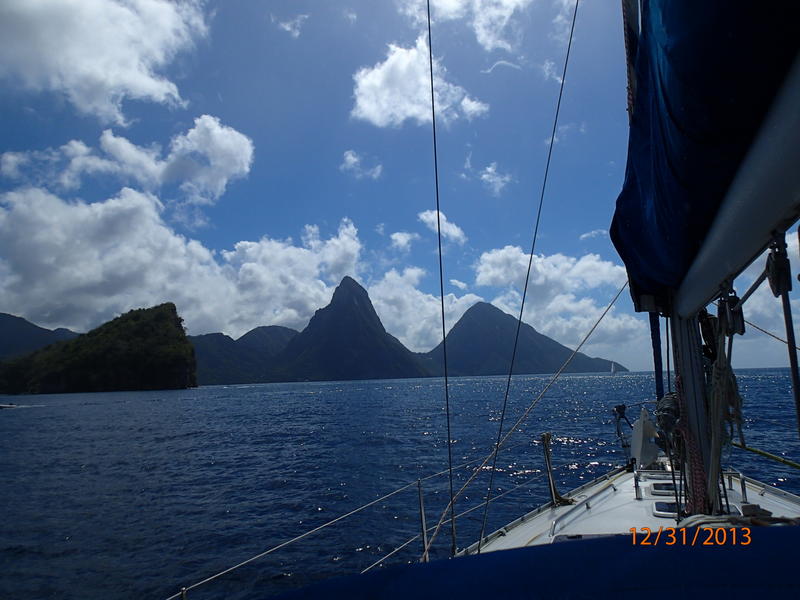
pixel 528 274
pixel 527 412
pixel 441 291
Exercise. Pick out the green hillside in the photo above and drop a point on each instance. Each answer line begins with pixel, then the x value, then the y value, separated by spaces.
pixel 143 349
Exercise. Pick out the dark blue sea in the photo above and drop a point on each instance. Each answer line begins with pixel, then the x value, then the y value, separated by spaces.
pixel 135 494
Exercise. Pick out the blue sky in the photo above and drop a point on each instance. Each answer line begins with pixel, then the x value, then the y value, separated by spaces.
pixel 239 158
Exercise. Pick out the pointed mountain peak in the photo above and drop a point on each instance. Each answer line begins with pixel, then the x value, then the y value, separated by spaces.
pixel 484 310
pixel 348 283
pixel 483 307
pixel 480 343
pixel 346 340
pixel 348 288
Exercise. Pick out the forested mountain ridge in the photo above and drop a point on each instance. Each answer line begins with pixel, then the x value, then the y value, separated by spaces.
pixel 143 349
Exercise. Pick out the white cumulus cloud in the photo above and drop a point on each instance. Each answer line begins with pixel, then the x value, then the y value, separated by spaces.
pixel 594 233
pixel 398 89
pixel 402 240
pixel 200 162
pixel 352 163
pixel 494 181
pixel 10 163
pixel 507 266
pixel 559 301
pixel 97 53
pixel 492 21
pixel 411 315
pixel 206 157
pixel 75 264
pixel 450 231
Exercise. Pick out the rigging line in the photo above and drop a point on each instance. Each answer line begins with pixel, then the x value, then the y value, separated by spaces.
pixel 772 335
pixel 769 455
pixel 333 521
pixel 291 541
pixel 392 553
pixel 336 520
pixel 762 330
pixel 528 410
pixel 441 290
pixel 458 516
pixel 466 464
pixel 528 273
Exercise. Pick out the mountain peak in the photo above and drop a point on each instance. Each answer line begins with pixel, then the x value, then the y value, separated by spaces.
pixel 481 342
pixel 484 307
pixel 346 340
pixel 349 289
pixel 348 283
pixel 485 310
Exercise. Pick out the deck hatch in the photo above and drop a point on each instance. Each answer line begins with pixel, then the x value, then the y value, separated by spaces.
pixel 665 509
pixel 662 489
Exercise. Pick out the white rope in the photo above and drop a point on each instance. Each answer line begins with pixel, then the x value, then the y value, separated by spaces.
pixel 725 408
pixel 526 413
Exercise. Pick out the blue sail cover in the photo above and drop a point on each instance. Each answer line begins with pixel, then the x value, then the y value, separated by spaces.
pixel 705 74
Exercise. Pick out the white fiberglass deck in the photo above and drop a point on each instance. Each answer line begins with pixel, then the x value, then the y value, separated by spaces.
pixel 609 506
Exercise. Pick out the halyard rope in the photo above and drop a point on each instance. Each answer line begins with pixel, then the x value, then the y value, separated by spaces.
pixel 441 290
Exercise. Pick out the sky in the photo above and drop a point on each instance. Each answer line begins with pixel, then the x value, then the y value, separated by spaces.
pixel 239 158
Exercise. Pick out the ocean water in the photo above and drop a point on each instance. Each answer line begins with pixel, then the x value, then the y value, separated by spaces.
pixel 135 494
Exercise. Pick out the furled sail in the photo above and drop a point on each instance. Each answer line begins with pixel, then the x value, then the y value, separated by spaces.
pixel 704 75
